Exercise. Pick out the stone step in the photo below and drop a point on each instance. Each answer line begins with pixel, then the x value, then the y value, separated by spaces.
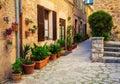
pixel 107 59
pixel 112 54
pixel 112 44
pixel 112 49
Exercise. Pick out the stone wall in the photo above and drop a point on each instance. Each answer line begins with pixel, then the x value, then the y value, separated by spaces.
pixel 97 50
pixel 7 55
pixel 112 7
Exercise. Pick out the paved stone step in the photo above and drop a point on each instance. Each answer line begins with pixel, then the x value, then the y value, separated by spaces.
pixel 112 54
pixel 112 49
pixel 107 59
pixel 112 44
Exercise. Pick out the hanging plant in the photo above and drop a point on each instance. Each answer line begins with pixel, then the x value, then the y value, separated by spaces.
pixel 9 31
pixel 14 26
pixel 27 21
pixel 9 39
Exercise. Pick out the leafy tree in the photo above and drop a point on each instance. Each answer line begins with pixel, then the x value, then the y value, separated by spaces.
pixel 101 24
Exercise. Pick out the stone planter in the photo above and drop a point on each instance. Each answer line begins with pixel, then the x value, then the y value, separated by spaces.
pixel 97 48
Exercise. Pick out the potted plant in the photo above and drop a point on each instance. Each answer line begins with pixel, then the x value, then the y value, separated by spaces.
pixel 14 26
pixel 62 43
pixel 40 55
pixel 27 34
pixel 54 51
pixel 9 31
pixel 17 70
pixel 28 64
pixel 34 29
pixel 27 21
pixel 69 38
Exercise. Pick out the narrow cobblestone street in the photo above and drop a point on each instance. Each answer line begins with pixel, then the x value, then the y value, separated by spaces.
pixel 75 68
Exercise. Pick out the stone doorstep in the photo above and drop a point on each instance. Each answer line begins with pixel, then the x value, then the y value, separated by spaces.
pixel 111 59
pixel 115 49
pixel 114 54
pixel 112 45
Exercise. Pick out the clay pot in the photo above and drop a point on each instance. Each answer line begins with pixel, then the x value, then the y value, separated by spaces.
pixel 58 54
pixel 27 34
pixel 16 76
pixel 74 46
pixel 27 22
pixel 42 63
pixel 28 69
pixel 53 57
pixel 69 48
pixel 14 27
pixel 33 31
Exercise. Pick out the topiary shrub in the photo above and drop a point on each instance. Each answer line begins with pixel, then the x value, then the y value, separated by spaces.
pixel 101 24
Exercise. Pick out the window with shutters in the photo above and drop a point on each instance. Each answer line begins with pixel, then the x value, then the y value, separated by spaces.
pixel 46 24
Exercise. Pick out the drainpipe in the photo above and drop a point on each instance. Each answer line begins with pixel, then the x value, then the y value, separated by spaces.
pixel 17 33
pixel 21 39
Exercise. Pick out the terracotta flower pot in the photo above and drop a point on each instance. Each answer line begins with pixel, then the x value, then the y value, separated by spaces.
pixel 53 57
pixel 58 54
pixel 27 22
pixel 69 48
pixel 14 27
pixel 33 31
pixel 16 76
pixel 28 69
pixel 42 63
pixel 27 34
pixel 47 58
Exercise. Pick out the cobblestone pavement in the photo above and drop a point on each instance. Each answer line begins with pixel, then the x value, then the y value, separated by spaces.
pixel 75 68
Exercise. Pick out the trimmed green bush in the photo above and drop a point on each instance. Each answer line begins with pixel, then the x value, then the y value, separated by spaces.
pixel 77 38
pixel 101 24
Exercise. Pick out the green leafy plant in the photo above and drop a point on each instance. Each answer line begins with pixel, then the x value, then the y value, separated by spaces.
pixel 69 38
pixel 77 37
pixel 40 52
pixel 35 27
pixel 26 51
pixel 61 42
pixel 16 67
pixel 54 48
pixel 101 23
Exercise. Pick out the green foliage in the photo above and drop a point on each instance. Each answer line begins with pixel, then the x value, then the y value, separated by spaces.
pixel 16 67
pixel 26 50
pixel 69 18
pixel 77 37
pixel 26 58
pixel 54 48
pixel 40 52
pixel 69 38
pixel 35 27
pixel 61 42
pixel 100 22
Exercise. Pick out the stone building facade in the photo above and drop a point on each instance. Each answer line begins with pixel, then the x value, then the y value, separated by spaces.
pixel 112 7
pixel 51 18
